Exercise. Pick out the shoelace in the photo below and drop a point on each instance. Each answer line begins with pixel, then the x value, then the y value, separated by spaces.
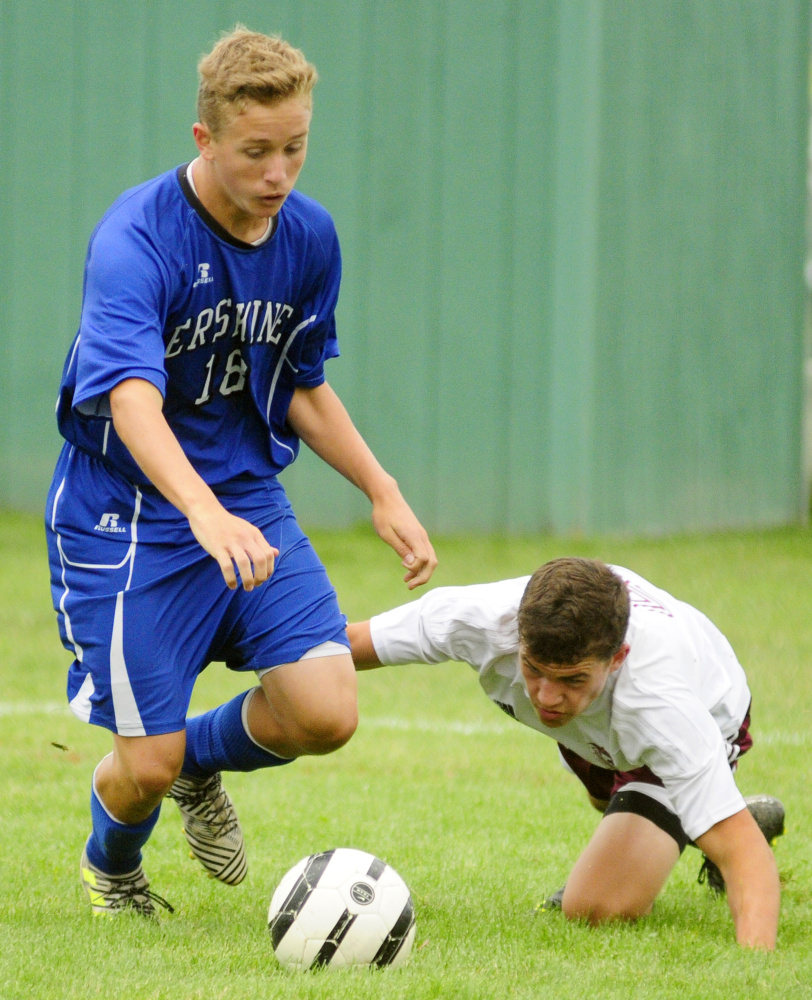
pixel 709 872
pixel 136 895
pixel 217 815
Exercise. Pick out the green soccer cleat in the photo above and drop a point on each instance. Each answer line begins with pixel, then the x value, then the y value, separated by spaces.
pixel 211 826
pixel 552 902
pixel 768 812
pixel 109 895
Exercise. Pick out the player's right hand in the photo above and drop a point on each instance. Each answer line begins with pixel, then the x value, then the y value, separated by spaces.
pixel 238 546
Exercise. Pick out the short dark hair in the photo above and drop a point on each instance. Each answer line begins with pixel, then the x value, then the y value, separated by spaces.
pixel 572 610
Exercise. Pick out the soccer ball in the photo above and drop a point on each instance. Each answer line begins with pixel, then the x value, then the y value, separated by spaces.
pixel 339 908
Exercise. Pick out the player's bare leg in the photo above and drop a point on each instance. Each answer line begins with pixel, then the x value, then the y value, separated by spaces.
pixel 133 780
pixel 309 707
pixel 128 786
pixel 621 871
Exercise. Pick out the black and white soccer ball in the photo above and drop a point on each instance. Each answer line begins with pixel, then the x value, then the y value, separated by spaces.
pixel 340 908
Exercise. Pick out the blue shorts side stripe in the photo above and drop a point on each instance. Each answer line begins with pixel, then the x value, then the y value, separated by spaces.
pixel 127 716
pixel 77 649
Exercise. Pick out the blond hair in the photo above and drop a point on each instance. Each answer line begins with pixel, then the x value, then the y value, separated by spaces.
pixel 248 66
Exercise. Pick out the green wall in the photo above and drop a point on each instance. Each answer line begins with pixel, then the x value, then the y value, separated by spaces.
pixel 573 235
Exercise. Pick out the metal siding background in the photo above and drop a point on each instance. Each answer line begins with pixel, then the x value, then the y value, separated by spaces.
pixel 528 490
pixel 573 240
pixel 700 253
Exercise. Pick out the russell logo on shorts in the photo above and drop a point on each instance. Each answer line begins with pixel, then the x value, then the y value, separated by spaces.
pixel 109 524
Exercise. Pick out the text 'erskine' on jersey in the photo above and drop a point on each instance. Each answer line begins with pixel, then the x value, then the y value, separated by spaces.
pixel 253 322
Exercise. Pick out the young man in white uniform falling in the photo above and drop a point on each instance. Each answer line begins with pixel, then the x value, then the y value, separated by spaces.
pixel 650 709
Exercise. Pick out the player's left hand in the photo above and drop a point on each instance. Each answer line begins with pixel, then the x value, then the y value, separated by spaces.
pixel 397 525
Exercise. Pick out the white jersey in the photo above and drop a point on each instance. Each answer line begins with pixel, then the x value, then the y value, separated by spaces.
pixel 674 706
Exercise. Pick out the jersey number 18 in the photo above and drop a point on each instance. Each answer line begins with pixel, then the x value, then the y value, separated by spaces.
pixel 232 381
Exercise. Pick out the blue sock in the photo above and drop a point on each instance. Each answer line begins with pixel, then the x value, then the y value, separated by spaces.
pixel 116 847
pixel 218 741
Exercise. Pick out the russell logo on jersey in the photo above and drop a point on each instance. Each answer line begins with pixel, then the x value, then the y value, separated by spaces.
pixel 109 524
pixel 203 276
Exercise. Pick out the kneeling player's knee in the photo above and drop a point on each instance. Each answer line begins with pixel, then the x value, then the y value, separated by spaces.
pixel 600 912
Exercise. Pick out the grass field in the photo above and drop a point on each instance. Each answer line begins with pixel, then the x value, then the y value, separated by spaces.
pixel 472 809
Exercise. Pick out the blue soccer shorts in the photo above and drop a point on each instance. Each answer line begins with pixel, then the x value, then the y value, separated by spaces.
pixel 144 609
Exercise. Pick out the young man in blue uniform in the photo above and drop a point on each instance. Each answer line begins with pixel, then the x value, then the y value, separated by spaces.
pixel 208 314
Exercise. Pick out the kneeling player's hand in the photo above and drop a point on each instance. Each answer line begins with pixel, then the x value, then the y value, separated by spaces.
pixel 236 544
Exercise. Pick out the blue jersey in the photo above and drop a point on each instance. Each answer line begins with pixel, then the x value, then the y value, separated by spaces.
pixel 225 330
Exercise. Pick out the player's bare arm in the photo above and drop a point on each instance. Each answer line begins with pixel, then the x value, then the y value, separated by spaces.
pixel 137 409
pixel 319 418
pixel 738 847
pixel 361 647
